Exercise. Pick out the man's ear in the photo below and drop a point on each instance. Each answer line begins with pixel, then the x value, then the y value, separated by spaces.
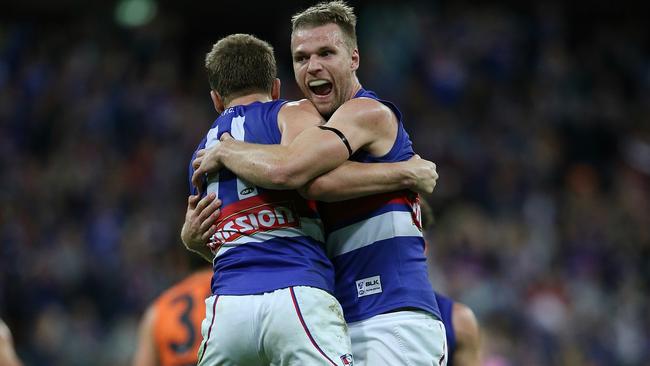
pixel 355 59
pixel 217 101
pixel 275 89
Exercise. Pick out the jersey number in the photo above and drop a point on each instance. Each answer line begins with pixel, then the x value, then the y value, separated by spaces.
pixel 186 321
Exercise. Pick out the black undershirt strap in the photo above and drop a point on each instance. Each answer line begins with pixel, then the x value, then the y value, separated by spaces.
pixel 340 135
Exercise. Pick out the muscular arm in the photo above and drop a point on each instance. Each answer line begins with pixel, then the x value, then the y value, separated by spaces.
pixel 468 339
pixel 366 123
pixel 353 180
pixel 145 354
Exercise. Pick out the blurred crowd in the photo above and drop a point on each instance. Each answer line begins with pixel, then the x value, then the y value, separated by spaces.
pixel 540 130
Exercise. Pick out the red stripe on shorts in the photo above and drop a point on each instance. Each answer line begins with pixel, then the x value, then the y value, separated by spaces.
pixel 214 308
pixel 304 326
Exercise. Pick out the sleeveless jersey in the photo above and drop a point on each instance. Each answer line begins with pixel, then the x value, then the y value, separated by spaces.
pixel 265 239
pixel 179 312
pixel 376 243
pixel 446 306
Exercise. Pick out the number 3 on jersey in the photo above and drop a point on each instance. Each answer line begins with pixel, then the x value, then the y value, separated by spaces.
pixel 185 321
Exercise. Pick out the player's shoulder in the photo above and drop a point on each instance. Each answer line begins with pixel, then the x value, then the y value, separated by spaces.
pixel 442 298
pixel 299 106
pixel 364 109
pixel 299 114
pixel 5 333
pixel 464 320
pixel 149 317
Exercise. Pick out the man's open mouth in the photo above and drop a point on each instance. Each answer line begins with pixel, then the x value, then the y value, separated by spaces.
pixel 320 87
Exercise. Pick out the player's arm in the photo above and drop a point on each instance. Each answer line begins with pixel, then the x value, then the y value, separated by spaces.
pixel 353 179
pixel 199 225
pixel 145 353
pixel 361 123
pixel 468 338
pixel 8 355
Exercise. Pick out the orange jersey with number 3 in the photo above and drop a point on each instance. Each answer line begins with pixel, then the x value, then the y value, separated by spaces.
pixel 179 312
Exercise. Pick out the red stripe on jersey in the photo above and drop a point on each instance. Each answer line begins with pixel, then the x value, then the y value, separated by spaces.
pixel 264 212
pixel 302 206
pixel 358 208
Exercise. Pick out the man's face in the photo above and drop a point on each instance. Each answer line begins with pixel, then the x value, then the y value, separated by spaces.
pixel 324 66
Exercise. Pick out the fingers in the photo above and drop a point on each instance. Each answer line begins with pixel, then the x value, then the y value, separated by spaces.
pixel 206 235
pixel 205 201
pixel 202 164
pixel 209 221
pixel 201 222
pixel 196 178
pixel 196 163
pixel 435 172
pixel 192 201
pixel 209 213
pixel 225 136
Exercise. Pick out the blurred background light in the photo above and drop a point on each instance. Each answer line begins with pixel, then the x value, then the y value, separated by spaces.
pixel 135 13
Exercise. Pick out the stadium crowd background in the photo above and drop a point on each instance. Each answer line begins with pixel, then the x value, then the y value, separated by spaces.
pixel 538 117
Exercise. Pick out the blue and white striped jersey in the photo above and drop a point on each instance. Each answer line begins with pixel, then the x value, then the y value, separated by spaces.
pixel 376 244
pixel 265 239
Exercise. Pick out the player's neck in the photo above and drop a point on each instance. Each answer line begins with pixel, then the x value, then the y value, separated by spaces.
pixel 248 99
pixel 356 86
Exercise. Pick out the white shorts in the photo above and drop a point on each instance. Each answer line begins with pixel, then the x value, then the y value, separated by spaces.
pixel 408 338
pixel 291 326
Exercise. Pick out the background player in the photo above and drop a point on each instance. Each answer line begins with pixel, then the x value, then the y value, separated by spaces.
pixel 375 243
pixel 170 331
pixel 8 355
pixel 461 327
pixel 462 330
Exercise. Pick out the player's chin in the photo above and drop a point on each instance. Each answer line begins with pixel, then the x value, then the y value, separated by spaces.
pixel 324 108
pixel 324 104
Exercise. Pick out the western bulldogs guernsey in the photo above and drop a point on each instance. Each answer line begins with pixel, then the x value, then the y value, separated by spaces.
pixel 265 239
pixel 376 244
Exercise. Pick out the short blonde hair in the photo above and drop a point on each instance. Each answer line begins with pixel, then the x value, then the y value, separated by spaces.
pixel 337 12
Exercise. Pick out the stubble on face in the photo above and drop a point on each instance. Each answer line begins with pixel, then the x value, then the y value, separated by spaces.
pixel 322 56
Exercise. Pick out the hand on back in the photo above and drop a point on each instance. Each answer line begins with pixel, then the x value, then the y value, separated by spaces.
pixel 207 161
pixel 200 219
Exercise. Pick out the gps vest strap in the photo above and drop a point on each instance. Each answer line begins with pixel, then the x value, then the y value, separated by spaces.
pixel 340 135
